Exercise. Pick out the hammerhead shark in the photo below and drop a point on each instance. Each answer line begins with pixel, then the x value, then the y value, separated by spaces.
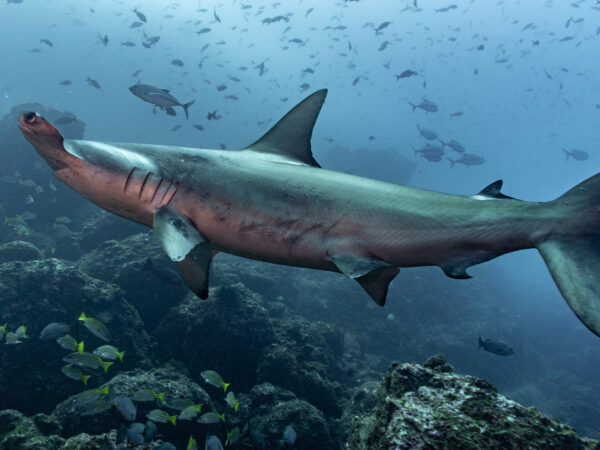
pixel 271 201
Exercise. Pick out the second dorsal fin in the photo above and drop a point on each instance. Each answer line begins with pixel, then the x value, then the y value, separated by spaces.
pixel 290 137
pixel 492 191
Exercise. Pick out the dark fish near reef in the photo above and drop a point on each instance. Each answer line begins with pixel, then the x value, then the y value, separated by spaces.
pixel 363 228
pixel 97 328
pixel 289 436
pixel 495 347
pixel 54 330
pixel 454 145
pixel 576 154
pixel 126 407
pixel 431 153
pixel 428 134
pixel 139 15
pixel 158 97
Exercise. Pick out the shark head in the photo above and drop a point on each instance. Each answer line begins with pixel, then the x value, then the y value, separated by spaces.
pixel 45 138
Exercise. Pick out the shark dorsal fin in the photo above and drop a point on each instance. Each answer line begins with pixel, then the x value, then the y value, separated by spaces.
pixel 290 136
pixel 492 191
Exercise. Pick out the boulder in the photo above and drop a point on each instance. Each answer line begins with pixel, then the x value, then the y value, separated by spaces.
pixel 432 407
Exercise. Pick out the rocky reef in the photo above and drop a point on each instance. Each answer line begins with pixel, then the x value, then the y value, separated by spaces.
pixel 430 406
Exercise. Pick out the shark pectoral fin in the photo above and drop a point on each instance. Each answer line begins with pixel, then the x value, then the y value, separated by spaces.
pixel 290 137
pixel 194 269
pixel 376 282
pixel 176 235
pixel 373 274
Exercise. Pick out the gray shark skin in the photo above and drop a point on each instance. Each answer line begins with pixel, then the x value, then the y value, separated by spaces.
pixel 272 202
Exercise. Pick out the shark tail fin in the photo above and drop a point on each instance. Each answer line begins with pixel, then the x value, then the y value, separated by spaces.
pixel 572 251
pixel 414 107
pixel 452 161
pixel 186 106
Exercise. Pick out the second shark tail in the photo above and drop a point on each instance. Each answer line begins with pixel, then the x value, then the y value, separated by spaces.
pixel 572 251
pixel 186 106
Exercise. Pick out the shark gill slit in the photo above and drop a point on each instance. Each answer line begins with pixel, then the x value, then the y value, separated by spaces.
pixel 128 179
pixel 156 190
pixel 143 185
pixel 174 186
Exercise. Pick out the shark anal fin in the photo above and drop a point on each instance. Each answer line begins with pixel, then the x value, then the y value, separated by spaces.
pixel 194 269
pixel 377 281
pixel 457 270
pixel 290 137
pixel 176 235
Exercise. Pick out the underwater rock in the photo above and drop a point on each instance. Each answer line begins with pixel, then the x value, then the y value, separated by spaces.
pixel 19 251
pixel 169 380
pixel 35 293
pixel 152 288
pixel 226 333
pixel 420 407
pixel 20 432
pixel 103 226
pixel 274 408
pixel 305 358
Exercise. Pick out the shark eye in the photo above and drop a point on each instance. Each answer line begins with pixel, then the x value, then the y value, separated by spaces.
pixel 30 117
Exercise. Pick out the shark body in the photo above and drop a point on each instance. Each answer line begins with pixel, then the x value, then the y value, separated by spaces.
pixel 272 202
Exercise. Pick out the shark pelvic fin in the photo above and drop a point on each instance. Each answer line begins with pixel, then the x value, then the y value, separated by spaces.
pixel 290 137
pixel 373 274
pixel 175 233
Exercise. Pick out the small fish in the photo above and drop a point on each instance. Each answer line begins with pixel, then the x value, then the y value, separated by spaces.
pixel 232 401
pixel 135 434
pixel 199 127
pixel 126 407
pixel 87 360
pixel 70 343
pixel 495 347
pixel 62 219
pixel 212 443
pixel 456 114
pixel 103 39
pixel 431 153
pixel 203 30
pixel 97 328
pixel 425 105
pixel 179 404
pixel 468 159
pixel 221 87
pixel 231 97
pixel 428 134
pixel 139 14
pixel 54 331
pixel 11 338
pixel 28 215
pixel 406 74
pixel 383 45
pixel 192 444
pixel 109 352
pixel 21 332
pixel 93 83
pixel 211 417
pixel 232 436
pixel 75 373
pixel 147 395
pixel 175 128
pixel 160 416
pixel 454 145
pixel 177 62
pixel 128 44
pixel 289 436
pixel 47 42
pixel 217 18
pixel 136 25
pixel 576 154
pixel 151 430
pixel 190 412
pixel 213 115
pixel 214 379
